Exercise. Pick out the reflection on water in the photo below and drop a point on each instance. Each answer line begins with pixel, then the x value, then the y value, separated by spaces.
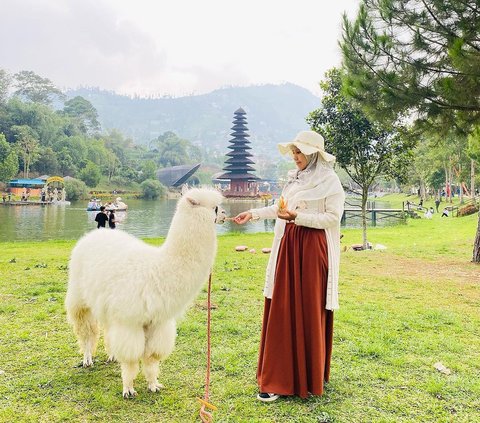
pixel 145 219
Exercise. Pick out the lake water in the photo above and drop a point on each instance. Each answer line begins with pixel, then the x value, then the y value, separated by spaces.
pixel 145 219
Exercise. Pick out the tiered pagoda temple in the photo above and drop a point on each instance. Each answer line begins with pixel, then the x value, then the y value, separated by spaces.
pixel 238 166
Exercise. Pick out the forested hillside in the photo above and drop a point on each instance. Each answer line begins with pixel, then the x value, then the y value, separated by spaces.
pixel 274 113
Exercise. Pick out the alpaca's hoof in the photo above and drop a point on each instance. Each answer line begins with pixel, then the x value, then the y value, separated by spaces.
pixel 87 361
pixel 129 393
pixel 110 359
pixel 155 387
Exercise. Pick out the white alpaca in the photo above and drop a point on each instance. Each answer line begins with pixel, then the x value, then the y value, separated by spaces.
pixel 135 291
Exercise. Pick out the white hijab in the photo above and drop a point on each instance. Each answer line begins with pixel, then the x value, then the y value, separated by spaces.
pixel 318 180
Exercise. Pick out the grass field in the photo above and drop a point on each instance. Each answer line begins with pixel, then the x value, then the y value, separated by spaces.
pixel 403 309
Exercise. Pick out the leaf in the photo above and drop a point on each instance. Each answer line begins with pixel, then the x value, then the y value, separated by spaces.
pixel 442 369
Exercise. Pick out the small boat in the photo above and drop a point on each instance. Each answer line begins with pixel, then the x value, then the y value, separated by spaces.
pixel 118 205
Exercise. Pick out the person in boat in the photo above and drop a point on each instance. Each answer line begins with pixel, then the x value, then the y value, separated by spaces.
pixel 120 204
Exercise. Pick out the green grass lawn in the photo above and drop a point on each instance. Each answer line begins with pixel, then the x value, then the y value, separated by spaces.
pixel 403 309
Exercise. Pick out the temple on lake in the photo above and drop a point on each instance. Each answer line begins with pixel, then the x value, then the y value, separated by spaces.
pixel 238 169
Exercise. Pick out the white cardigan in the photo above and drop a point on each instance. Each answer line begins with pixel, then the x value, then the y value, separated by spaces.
pixel 324 213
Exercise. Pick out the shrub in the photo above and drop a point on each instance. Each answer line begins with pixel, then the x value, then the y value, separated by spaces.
pixel 90 174
pixel 151 189
pixel 75 189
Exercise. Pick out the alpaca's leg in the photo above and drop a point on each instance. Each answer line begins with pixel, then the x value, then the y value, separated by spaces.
pixel 150 370
pixel 129 373
pixel 159 343
pixel 127 345
pixel 86 329
pixel 111 357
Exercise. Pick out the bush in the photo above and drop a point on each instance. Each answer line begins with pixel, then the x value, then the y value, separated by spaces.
pixel 90 174
pixel 152 189
pixel 75 189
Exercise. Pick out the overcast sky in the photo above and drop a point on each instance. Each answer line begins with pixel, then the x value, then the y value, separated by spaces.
pixel 173 47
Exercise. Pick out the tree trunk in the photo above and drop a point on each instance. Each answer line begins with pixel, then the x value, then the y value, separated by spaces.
pixel 472 178
pixel 447 189
pixel 364 218
pixel 422 190
pixel 476 245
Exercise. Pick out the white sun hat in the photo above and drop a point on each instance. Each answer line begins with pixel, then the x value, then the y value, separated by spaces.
pixel 308 142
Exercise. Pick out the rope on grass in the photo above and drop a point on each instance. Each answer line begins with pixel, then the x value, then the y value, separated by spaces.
pixel 206 416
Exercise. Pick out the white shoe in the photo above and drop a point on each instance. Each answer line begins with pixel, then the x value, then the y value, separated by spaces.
pixel 266 397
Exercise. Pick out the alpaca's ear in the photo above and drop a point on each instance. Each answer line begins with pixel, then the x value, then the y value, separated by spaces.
pixel 184 188
pixel 193 202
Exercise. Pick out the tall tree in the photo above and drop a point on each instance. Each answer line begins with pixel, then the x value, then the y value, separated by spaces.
pixel 173 150
pixel 365 149
pixel 415 57
pixel 27 146
pixel 83 112
pixel 47 163
pixel 8 160
pixel 34 88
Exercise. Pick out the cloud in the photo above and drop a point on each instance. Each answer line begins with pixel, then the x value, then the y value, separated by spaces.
pixel 181 47
pixel 76 43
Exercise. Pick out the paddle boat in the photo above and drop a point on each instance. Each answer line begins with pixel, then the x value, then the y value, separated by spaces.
pixel 118 205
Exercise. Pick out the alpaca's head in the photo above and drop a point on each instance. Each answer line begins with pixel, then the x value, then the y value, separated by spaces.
pixel 204 202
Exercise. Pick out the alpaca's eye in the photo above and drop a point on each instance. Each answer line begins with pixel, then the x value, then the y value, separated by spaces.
pixel 216 209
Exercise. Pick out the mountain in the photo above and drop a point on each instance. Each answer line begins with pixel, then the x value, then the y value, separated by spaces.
pixel 275 113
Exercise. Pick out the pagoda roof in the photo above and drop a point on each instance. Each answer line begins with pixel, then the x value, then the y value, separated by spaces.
pixel 234 168
pixel 243 146
pixel 241 133
pixel 237 152
pixel 243 176
pixel 239 160
pixel 240 144
pixel 240 111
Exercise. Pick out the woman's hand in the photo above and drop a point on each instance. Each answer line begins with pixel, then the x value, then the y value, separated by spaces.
pixel 286 214
pixel 242 218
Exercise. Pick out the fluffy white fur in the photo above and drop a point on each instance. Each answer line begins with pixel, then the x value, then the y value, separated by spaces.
pixel 135 291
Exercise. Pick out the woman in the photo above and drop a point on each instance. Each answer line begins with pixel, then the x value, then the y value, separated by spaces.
pixel 111 219
pixel 301 286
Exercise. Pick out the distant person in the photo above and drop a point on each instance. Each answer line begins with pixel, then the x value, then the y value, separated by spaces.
pixel 428 213
pixel 445 212
pixel 101 218
pixel 431 210
pixel 111 219
pixel 437 203
pixel 4 197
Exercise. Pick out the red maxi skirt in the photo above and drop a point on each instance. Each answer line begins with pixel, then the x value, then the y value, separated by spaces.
pixel 297 331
